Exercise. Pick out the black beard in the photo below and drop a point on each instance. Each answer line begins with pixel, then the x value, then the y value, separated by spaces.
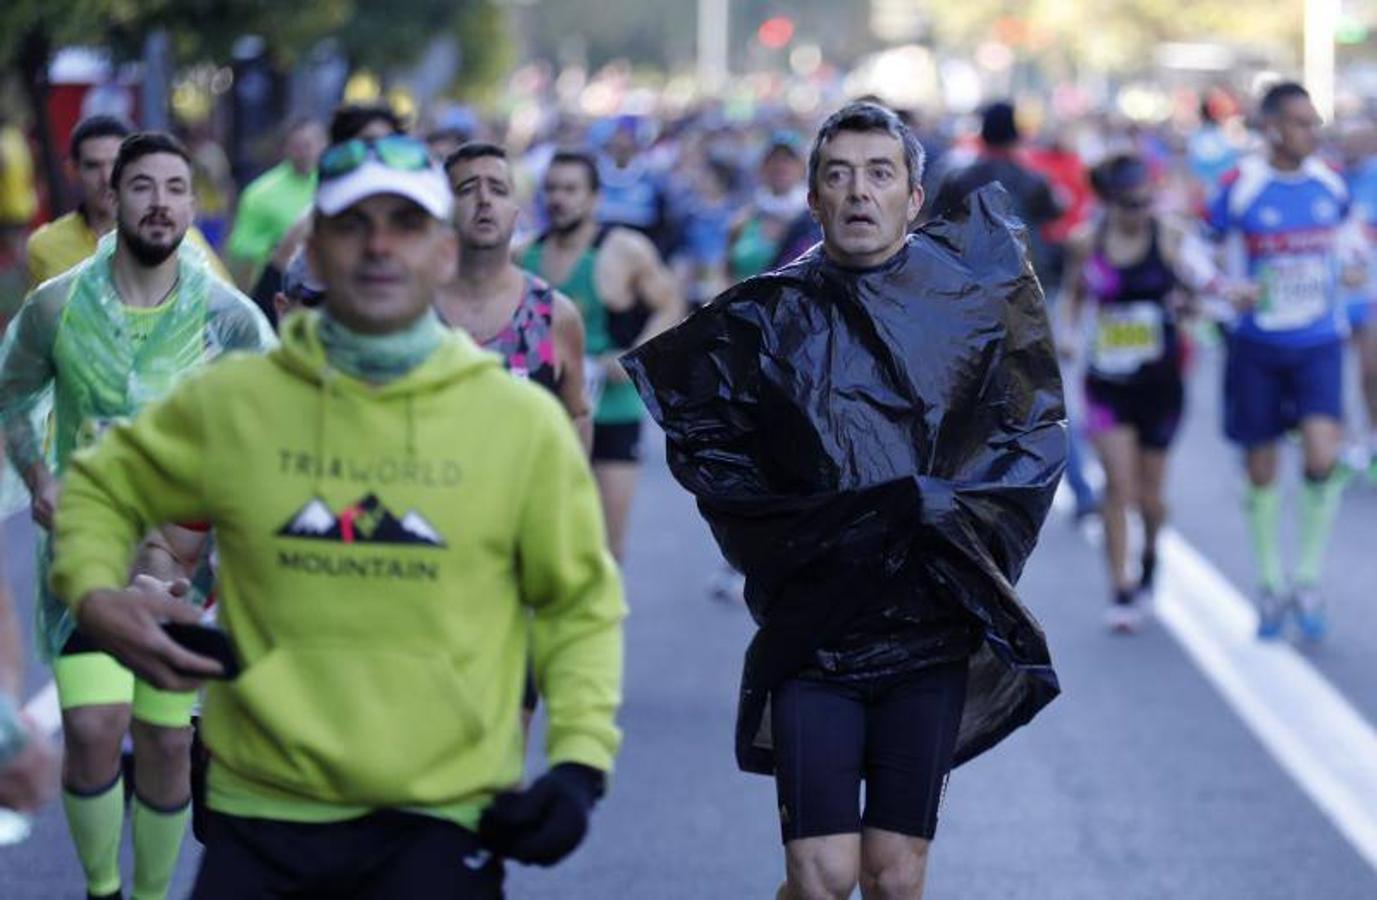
pixel 147 253
pixel 567 229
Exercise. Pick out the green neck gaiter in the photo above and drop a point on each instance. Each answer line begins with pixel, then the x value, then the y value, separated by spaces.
pixel 380 358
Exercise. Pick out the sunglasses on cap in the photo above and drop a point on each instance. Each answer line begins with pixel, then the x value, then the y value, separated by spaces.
pixel 396 151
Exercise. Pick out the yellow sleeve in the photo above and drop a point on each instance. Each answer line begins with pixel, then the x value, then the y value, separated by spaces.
pixel 144 473
pixel 572 583
pixel 38 267
pixel 194 235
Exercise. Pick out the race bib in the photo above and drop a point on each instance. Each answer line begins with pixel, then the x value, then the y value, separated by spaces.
pixel 1128 336
pixel 1295 293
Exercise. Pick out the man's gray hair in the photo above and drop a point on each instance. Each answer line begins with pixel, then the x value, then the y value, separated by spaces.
pixel 863 116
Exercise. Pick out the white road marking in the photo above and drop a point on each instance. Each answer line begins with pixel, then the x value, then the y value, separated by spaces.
pixel 1316 735
pixel 1327 747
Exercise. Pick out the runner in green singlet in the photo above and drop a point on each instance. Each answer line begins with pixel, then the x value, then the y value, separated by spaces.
pixel 626 295
pixel 109 336
pixel 781 198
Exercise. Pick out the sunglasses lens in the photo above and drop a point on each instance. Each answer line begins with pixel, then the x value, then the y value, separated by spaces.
pixel 342 159
pixel 404 153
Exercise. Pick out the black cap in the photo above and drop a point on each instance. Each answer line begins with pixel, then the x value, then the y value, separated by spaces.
pixel 997 126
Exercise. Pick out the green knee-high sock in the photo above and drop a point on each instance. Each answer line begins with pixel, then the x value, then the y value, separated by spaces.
pixel 1264 526
pixel 96 821
pixel 158 837
pixel 1319 506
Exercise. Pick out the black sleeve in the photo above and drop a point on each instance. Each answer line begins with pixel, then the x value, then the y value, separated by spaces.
pixel 1042 205
pixel 267 286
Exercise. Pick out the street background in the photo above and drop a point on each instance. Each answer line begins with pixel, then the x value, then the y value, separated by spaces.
pixel 1138 782
pixel 1181 762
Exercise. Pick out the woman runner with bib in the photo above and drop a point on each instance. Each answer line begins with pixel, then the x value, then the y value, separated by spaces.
pixel 1126 267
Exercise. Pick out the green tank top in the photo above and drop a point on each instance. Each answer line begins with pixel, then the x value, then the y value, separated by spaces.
pixel 619 403
pixel 752 252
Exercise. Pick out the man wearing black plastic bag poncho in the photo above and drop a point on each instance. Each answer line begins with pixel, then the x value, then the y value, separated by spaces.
pixel 874 434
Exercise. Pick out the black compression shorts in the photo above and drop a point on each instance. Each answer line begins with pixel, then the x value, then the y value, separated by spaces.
pixel 897 734
pixel 617 442
pixel 1151 408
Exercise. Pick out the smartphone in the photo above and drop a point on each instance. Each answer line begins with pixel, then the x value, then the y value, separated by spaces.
pixel 206 640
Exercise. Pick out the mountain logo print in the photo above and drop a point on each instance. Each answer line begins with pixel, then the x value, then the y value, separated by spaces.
pixel 366 521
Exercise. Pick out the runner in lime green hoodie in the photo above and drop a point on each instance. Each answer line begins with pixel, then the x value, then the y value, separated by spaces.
pixel 369 546
pixel 391 554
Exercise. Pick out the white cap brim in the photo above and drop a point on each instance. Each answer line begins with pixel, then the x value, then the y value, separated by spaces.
pixel 427 188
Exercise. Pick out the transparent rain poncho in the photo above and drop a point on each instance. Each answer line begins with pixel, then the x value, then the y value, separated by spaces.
pixel 101 362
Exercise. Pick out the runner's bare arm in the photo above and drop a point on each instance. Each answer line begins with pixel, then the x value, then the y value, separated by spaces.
pixel 1194 269
pixel 169 553
pixel 569 349
pixel 26 372
pixel 292 241
pixel 1078 248
pixel 651 282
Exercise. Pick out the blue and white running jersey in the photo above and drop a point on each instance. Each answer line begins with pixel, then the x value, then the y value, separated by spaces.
pixel 630 196
pixel 1283 231
pixel 1210 156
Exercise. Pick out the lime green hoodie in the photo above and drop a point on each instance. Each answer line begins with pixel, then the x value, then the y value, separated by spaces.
pixel 387 554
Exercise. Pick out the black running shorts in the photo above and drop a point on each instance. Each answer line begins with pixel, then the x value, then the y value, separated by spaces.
pixel 897 734
pixel 617 442
pixel 381 856
pixel 1151 408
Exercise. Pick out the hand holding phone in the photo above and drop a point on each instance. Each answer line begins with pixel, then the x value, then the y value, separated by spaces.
pixel 206 640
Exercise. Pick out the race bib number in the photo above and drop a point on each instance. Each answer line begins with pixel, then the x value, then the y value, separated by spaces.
pixel 1128 336
pixel 1295 293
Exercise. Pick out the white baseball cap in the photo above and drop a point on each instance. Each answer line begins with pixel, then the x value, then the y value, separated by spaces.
pixel 427 188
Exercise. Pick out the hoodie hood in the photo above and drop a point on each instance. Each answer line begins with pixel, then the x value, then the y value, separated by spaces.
pixel 302 354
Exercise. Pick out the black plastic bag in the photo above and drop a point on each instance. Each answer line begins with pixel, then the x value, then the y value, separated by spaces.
pixel 874 438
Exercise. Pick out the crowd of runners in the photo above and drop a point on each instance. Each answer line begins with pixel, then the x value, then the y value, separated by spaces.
pixel 356 443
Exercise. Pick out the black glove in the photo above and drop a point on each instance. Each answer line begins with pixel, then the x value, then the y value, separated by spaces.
pixel 544 823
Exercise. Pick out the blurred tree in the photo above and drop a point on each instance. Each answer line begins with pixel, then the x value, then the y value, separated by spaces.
pixel 383 33
pixel 663 34
pixel 200 29
pixel 653 33
pixel 1111 35
pixel 377 34
pixel 486 48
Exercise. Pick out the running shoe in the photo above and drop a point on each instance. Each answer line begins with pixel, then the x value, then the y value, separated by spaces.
pixel 1271 614
pixel 1357 458
pixel 1125 614
pixel 1310 612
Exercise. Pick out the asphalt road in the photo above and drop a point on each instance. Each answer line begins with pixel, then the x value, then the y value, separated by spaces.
pixel 1139 782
